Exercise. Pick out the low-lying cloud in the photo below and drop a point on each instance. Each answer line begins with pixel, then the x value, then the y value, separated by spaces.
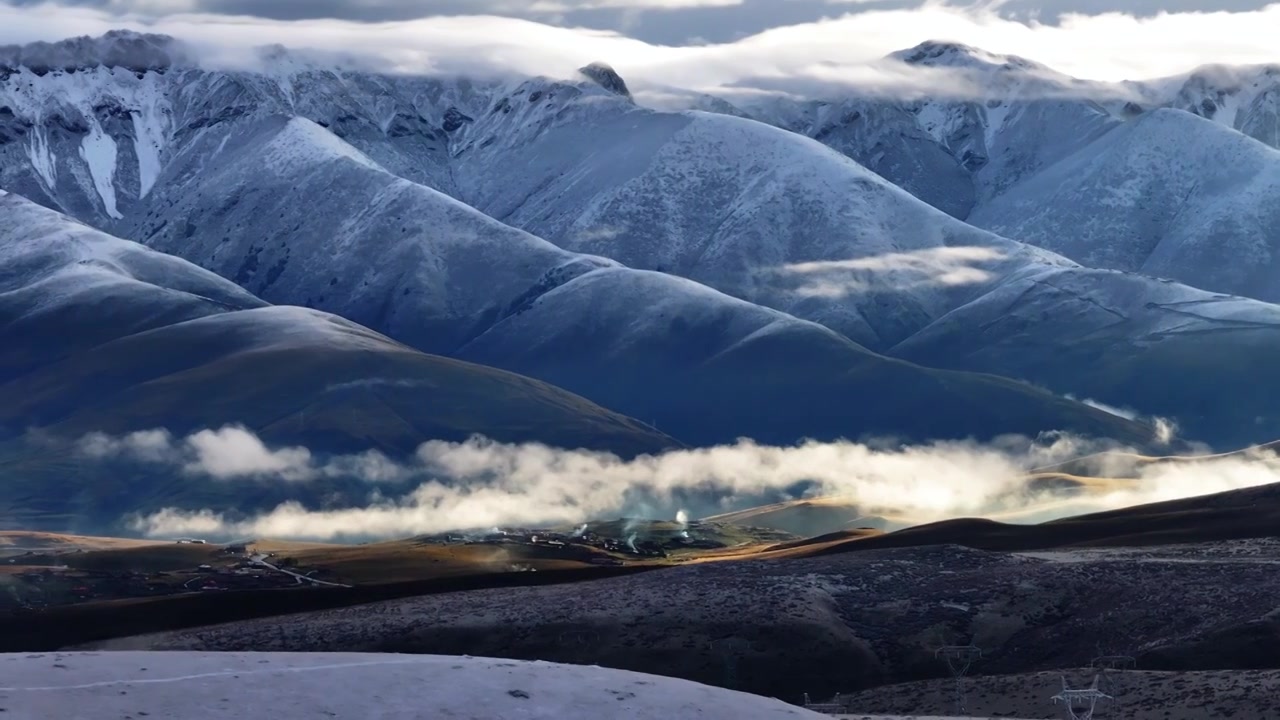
pixel 1165 428
pixel 480 484
pixel 930 267
pixel 234 453
pixel 811 58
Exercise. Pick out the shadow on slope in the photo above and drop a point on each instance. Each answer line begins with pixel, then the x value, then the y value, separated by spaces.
pixel 99 334
pixel 1237 514
pixel 80 624
pixel 443 277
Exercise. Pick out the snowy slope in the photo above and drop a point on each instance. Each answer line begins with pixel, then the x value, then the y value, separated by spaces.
pixel 65 288
pixel 999 119
pixel 1244 98
pixel 195 686
pixel 380 250
pixel 781 221
pixel 760 214
pixel 98 333
pixel 701 363
pixel 395 202
pixel 888 140
pixel 1016 117
pixel 90 144
pixel 1198 358
pixel 571 161
pixel 88 125
pixel 1168 194
pixel 425 269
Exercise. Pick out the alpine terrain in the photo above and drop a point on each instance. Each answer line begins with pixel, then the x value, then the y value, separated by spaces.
pixel 556 366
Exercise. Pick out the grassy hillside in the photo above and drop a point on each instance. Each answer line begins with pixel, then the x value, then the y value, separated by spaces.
pixel 1251 513
pixel 185 379
pixel 350 389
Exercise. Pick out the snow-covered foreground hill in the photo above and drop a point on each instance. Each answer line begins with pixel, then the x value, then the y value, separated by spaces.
pixel 289 686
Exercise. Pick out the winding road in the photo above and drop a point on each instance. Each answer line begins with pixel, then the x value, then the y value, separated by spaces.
pixel 261 560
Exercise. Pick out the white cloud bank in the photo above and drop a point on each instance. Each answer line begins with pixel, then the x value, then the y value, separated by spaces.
pixel 451 486
pixel 1110 47
pixel 928 267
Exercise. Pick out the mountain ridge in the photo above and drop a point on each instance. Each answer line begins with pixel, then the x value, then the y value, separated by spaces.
pixel 501 168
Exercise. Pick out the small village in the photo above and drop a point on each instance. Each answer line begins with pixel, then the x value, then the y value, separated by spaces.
pixel 35 581
pixel 38 579
pixel 620 541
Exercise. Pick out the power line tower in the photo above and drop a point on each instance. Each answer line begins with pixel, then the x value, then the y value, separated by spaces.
pixel 578 642
pixel 959 660
pixel 1081 703
pixel 1115 671
pixel 731 651
pixel 578 637
pixel 834 707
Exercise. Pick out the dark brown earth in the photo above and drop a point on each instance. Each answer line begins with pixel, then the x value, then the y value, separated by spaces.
pixel 1139 695
pixel 843 622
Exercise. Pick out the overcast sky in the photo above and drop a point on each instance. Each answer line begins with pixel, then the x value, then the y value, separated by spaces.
pixel 696 43
pixel 665 22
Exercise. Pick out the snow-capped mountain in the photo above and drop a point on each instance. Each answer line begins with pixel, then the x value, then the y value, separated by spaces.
pixel 101 334
pixel 1199 357
pixel 1002 119
pixel 997 118
pixel 430 271
pixel 760 214
pixel 888 140
pixel 538 225
pixel 782 221
pixel 1246 99
pixel 282 204
pixel 91 136
pixel 1168 194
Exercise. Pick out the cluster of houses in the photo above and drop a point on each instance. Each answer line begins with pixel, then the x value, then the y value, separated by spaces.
pixel 47 585
pixel 632 545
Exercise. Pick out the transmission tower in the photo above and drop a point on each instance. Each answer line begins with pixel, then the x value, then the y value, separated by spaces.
pixel 1114 669
pixel 578 637
pixel 577 642
pixel 959 659
pixel 1080 704
pixel 731 650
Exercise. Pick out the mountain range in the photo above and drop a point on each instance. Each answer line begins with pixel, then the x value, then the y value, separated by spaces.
pixel 354 259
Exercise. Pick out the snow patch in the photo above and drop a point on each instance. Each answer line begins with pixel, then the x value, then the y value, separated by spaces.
pixel 302 142
pixel 150 133
pixel 98 150
pixel 42 159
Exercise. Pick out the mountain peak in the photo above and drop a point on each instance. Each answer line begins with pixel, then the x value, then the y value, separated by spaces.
pixel 606 77
pixel 117 48
pixel 939 53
